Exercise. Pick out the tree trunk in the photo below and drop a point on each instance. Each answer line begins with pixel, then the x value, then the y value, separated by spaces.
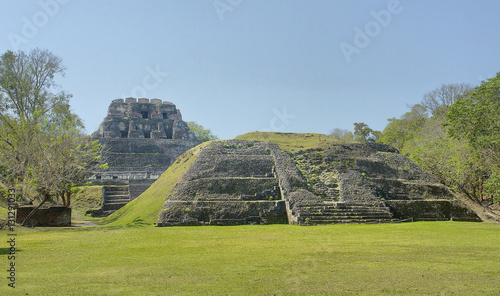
pixel 481 191
pixel 68 198
pixel 464 191
pixel 63 198
pixel 46 197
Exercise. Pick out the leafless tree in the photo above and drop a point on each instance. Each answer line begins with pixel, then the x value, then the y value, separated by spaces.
pixel 439 100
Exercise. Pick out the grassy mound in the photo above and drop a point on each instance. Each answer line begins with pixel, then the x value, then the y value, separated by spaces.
pixel 85 198
pixel 290 142
pixel 144 209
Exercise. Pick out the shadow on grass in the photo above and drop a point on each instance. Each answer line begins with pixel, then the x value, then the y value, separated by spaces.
pixel 6 251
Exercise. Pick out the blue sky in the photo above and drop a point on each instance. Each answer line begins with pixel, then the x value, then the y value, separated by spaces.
pixel 237 66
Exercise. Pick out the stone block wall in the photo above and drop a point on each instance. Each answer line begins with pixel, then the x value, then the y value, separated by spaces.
pixel 224 188
pixel 45 217
pixel 178 213
pixel 432 210
pixel 139 158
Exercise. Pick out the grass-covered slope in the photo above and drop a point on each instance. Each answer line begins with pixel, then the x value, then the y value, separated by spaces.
pixel 145 208
pixel 290 142
pixel 85 198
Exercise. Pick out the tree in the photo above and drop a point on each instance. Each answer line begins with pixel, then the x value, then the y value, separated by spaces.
pixel 440 99
pixel 449 159
pixel 200 132
pixel 42 146
pixel 342 135
pixel 457 142
pixel 362 133
pixel 492 186
pixel 476 119
pixel 399 131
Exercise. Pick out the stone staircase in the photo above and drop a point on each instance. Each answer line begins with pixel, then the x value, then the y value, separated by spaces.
pixel 326 212
pixel 114 198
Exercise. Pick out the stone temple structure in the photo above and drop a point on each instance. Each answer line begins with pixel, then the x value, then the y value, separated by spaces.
pixel 249 182
pixel 142 138
pixel 143 119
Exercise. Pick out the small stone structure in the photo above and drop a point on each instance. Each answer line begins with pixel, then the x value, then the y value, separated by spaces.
pixel 142 138
pixel 244 182
pixel 45 216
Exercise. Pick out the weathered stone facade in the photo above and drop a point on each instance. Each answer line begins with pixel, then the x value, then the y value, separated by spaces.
pixel 45 216
pixel 142 138
pixel 231 182
pixel 143 118
pixel 243 182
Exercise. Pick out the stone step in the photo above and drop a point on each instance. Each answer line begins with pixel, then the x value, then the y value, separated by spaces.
pixel 112 207
pixel 107 213
pixel 360 213
pixel 114 197
pixel 335 211
pixel 338 205
pixel 117 201
pixel 323 212
pixel 116 191
pixel 346 215
pixel 115 188
pixel 350 221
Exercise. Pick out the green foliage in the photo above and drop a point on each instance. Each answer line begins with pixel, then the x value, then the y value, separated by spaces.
pixel 399 131
pixel 42 147
pixel 200 132
pixel 476 118
pixel 449 159
pixel 460 142
pixel 342 135
pixel 492 186
pixel 363 134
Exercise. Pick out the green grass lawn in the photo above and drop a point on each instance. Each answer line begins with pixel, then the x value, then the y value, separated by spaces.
pixel 424 258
